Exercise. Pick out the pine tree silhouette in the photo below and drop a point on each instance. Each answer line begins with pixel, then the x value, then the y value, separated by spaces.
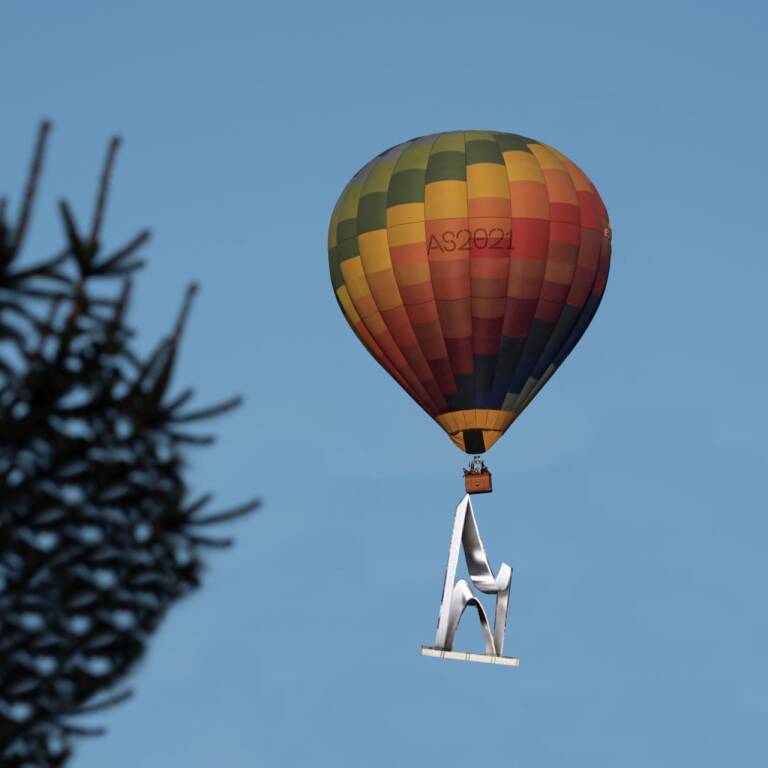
pixel 99 533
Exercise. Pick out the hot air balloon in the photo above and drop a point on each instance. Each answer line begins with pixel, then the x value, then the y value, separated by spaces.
pixel 469 264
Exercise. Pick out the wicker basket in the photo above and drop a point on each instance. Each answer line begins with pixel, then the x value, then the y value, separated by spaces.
pixel 478 482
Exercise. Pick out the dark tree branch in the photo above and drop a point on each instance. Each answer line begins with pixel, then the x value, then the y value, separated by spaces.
pixel 101 197
pixel 99 529
pixel 31 188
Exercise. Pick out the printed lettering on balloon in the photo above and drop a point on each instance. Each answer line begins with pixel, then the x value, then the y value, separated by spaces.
pixel 494 239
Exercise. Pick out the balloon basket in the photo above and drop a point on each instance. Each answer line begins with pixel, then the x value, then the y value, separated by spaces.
pixel 477 477
pixel 478 483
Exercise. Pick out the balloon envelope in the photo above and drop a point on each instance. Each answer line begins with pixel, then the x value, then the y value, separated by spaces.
pixel 469 264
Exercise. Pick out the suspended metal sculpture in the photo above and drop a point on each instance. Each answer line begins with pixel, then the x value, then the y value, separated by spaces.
pixel 458 595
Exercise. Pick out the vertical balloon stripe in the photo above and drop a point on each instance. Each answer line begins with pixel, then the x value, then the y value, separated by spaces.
pixel 529 203
pixel 560 264
pixel 377 263
pixel 357 215
pixel 470 264
pixel 445 209
pixel 578 310
pixel 586 266
pixel 490 234
pixel 406 237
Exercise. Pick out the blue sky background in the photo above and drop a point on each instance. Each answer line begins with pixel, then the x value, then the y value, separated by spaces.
pixel 630 498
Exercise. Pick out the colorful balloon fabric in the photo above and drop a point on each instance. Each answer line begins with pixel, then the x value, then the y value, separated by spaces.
pixel 469 264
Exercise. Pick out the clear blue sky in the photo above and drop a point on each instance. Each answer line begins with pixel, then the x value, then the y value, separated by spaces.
pixel 630 497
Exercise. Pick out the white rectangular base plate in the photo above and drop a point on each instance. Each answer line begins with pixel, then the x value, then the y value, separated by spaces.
pixel 483 658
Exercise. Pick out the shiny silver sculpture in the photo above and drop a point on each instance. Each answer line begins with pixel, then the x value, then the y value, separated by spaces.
pixel 457 595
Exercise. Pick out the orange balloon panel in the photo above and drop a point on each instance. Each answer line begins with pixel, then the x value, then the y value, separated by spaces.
pixel 469 264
